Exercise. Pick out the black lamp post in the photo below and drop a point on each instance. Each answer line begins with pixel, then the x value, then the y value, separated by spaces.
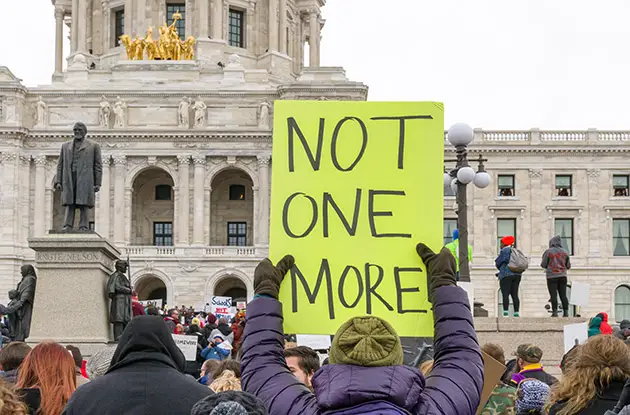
pixel 460 136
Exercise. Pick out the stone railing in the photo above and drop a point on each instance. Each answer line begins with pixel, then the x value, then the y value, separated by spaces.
pixel 209 251
pixel 537 137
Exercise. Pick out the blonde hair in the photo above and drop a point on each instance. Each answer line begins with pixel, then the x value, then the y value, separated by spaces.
pixel 599 362
pixel 10 403
pixel 426 367
pixel 226 382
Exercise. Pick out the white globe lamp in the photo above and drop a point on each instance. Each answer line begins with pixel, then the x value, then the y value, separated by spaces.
pixel 460 134
pixel 465 175
pixel 482 180
pixel 447 180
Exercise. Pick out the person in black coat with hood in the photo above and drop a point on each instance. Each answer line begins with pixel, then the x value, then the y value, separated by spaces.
pixel 146 377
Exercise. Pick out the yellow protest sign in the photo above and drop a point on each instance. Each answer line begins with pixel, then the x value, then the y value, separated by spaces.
pixel 355 186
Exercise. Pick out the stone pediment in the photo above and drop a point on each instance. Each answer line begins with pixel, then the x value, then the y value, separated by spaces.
pixel 7 76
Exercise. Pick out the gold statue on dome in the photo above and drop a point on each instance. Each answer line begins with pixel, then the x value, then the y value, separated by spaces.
pixel 169 46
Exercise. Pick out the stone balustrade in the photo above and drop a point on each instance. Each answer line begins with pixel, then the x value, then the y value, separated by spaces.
pixel 537 137
pixel 218 252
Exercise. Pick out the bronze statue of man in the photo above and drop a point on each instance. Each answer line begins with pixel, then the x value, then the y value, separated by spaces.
pixel 119 291
pixel 20 309
pixel 79 175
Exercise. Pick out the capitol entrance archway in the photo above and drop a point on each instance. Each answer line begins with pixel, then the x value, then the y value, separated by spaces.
pixel 151 288
pixel 231 287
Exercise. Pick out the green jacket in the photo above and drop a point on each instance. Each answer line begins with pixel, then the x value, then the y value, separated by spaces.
pixel 454 248
pixel 502 401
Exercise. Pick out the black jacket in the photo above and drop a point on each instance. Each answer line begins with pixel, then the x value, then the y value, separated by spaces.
pixel 145 377
pixel 604 401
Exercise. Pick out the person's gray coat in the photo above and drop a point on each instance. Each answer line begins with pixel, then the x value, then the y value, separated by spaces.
pixel 26 295
pixel 89 173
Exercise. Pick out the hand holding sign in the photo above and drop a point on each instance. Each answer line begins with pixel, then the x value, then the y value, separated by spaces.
pixel 440 268
pixel 267 278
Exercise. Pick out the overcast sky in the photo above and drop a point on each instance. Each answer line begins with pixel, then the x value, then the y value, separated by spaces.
pixel 496 64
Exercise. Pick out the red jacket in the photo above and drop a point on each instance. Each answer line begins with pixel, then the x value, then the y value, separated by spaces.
pixel 137 308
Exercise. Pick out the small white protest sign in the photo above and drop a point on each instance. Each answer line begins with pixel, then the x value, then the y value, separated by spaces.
pixel 314 341
pixel 574 334
pixel 580 293
pixel 187 344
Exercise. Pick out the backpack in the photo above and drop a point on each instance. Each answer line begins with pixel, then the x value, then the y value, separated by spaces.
pixel 518 261
pixel 371 408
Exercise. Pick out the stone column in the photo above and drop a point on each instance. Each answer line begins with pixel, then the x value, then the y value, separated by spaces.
pixel 188 17
pixel 313 39
pixel 216 20
pixel 103 202
pixel 40 195
pixel 129 17
pixel 202 9
pixel 262 219
pixel 199 199
pixel 283 26
pixel 82 27
pixel 595 224
pixel 58 40
pixel 74 26
pixel 184 198
pixel 537 211
pixel 120 167
pixel 106 26
pixel 273 25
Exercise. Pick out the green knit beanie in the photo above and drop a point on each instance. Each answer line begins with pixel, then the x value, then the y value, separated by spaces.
pixel 366 341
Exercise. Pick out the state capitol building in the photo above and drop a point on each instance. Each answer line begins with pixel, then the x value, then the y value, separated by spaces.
pixel 186 146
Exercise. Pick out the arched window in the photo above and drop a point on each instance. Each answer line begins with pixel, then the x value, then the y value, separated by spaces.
pixel 622 303
pixel 237 192
pixel 163 192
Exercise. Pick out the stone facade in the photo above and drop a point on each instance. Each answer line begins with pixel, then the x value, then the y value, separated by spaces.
pixel 186 145
pixel 133 109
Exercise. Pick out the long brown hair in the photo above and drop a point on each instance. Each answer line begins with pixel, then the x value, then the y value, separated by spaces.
pixel 600 361
pixel 49 367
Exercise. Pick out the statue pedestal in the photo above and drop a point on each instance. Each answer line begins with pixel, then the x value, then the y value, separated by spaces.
pixel 71 306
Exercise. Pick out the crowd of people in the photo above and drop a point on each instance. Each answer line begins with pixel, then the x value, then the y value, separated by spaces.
pixel 248 366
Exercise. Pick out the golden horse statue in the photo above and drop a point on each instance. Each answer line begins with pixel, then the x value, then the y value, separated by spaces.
pixel 169 46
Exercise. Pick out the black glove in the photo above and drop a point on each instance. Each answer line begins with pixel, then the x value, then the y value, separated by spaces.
pixel 440 268
pixel 267 278
pixel 624 399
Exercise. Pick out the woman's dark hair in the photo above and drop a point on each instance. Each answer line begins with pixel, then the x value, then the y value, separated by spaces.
pixel 152 311
pixel 232 365
pixel 13 354
pixel 76 355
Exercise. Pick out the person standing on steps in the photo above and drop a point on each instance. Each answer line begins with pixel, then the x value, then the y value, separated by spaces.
pixel 509 280
pixel 556 262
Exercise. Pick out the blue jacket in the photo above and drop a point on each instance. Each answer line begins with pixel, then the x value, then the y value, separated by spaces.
pixel 502 262
pixel 215 353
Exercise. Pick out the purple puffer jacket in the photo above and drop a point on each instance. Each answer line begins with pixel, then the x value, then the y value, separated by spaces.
pixel 452 388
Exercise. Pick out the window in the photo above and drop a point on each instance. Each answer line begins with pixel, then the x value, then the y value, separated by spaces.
pixel 180 8
pixel 237 192
pixel 622 303
pixel 449 226
pixel 163 233
pixel 91 225
pixel 620 185
pixel 119 25
pixel 621 237
pixel 564 229
pixel 505 227
pixel 563 185
pixel 237 233
pixel 163 192
pixel 506 185
pixel 448 191
pixel 235 28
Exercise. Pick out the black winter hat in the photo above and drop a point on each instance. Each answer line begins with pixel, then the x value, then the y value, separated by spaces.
pixel 229 403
